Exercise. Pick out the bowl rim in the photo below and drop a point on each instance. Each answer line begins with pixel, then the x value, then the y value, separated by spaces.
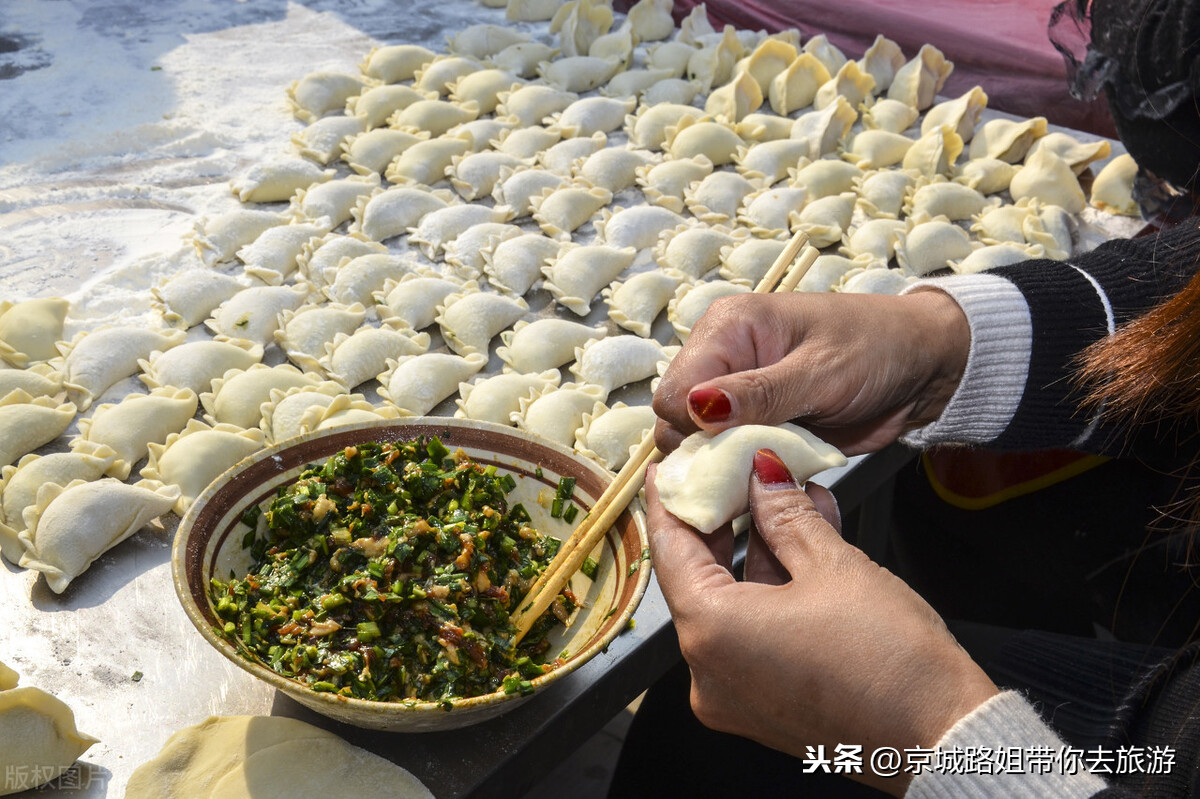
pixel 336 704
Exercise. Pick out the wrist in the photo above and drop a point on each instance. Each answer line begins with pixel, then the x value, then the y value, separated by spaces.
pixel 944 342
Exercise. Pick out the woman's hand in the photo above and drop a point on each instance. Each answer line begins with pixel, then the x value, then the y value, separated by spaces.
pixel 829 648
pixel 856 369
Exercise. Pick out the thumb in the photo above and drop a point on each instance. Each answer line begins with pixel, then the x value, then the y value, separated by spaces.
pixel 790 523
pixel 766 395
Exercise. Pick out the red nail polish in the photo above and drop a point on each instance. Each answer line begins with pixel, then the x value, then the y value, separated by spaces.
pixel 771 470
pixel 710 405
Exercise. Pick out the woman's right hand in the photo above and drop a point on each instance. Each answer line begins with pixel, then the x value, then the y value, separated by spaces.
pixel 858 370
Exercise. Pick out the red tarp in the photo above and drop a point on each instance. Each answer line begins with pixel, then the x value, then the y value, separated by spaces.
pixel 1001 45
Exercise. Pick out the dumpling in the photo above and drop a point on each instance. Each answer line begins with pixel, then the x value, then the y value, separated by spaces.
pixel 1077 154
pixel 875 149
pixel 931 245
pixel 919 81
pixel 579 73
pixel 219 238
pixel 527 143
pixel 529 105
pixel 716 199
pixel 483 40
pixel 713 65
pixel 986 175
pixel 850 83
pixel 634 83
pixel 465 253
pixel 578 23
pixel 637 302
pixel 890 115
pixel 30 330
pixel 1052 229
pixel 358 357
pixel 768 59
pixel 825 130
pixel 874 239
pixel 304 333
pixel 995 255
pixel 827 272
pixel 397 62
pixel 522 59
pixel 764 127
pixel 562 157
pixel 392 212
pixel 638 227
pixel 796 86
pixel 514 264
pixel 195 364
pixel 370 152
pixel 275 254
pixel 443 72
pixel 417 383
pixel 444 225
pixel 517 188
pixel 346 409
pixel 556 413
pixel 650 20
pixel 323 140
pixel 434 117
pixel 356 280
pixel 543 344
pixel 560 211
pixel 691 137
pixel 193 458
pixel 39 380
pixel 378 103
pixel 41 741
pixel 320 262
pixel 1004 222
pixel 475 175
pixel 96 360
pixel 190 296
pixel 695 25
pixel 321 93
pixel 648 127
pixel 944 198
pixel 19 486
pixel 1048 179
pixel 750 259
pixel 277 180
pixel 768 162
pixel 614 168
pixel 579 273
pixel 412 300
pixel 334 199
pixel 236 396
pixel 616 361
pixel 826 219
pixel 962 114
pixel 608 434
pixel 495 399
pixel 934 153
pixel 881 193
pixel 128 426
pixel 875 280
pixel 694 250
pixel 705 482
pixel 617 44
pixel 881 61
pixel 471 320
pixel 691 301
pixel 826 52
pixel 672 55
pixel 665 183
pixel 593 115
pixel 283 413
pixel 72 525
pixel 426 161
pixel 767 212
pixel 1006 139
pixel 1112 190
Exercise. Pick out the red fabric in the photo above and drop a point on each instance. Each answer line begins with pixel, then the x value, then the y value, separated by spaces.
pixel 1001 45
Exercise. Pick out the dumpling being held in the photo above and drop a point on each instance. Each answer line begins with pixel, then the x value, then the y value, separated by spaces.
pixel 706 481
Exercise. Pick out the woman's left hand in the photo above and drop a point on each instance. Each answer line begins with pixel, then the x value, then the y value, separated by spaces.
pixel 820 645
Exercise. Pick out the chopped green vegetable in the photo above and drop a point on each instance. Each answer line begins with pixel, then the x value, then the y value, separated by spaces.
pixel 588 567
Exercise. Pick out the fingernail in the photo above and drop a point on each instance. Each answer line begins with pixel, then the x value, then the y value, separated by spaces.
pixel 710 405
pixel 772 472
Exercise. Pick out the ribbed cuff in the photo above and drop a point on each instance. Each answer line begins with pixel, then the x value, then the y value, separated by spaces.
pixel 997 363
pixel 1004 721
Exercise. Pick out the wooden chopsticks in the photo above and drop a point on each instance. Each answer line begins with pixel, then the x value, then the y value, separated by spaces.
pixel 629 480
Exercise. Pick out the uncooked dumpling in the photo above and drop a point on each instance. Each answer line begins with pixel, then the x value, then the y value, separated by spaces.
pixel 40 739
pixel 706 481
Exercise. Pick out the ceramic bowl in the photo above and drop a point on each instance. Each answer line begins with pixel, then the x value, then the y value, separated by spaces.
pixel 209 543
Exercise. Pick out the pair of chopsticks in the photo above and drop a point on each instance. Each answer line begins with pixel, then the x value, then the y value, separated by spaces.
pixel 629 480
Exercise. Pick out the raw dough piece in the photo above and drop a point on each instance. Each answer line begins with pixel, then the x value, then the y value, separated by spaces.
pixel 691 301
pixel 253 313
pixel 636 303
pixel 40 739
pixel 1112 190
pixel 579 272
pixel 513 265
pixel 283 412
pixel 190 296
pixel 615 361
pixel 543 344
pixel 198 455
pixel 219 238
pixel 31 330
pixel 236 395
pixel 417 383
pixel 127 427
pixel 358 357
pixel 495 399
pixel 276 181
pixel 609 434
pixel 195 364
pixel 96 360
pixel 471 320
pixel 556 413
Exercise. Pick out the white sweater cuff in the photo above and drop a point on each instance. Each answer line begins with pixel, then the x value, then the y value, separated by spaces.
pixel 1006 721
pixel 997 363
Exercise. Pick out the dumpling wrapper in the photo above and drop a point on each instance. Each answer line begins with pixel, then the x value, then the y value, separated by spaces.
pixel 8 678
pixel 706 481
pixel 40 739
